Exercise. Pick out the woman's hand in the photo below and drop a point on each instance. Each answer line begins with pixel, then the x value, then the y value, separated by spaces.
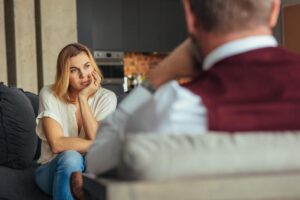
pixel 92 87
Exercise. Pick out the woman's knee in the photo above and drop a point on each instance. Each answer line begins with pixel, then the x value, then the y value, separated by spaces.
pixel 71 160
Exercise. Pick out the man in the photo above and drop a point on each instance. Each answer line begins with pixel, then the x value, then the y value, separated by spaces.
pixel 245 82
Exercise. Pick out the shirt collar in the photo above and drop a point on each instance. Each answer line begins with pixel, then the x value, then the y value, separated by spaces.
pixel 237 47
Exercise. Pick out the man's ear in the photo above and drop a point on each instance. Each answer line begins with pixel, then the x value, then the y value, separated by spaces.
pixel 191 19
pixel 274 13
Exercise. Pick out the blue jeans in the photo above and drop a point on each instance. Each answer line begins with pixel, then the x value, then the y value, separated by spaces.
pixel 54 177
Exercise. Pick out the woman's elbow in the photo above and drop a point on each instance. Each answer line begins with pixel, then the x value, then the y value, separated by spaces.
pixel 56 148
pixel 91 138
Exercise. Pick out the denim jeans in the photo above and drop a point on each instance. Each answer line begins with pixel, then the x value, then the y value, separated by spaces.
pixel 54 177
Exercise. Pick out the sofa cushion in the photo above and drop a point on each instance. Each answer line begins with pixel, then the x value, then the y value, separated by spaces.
pixel 34 99
pixel 20 184
pixel 18 140
pixel 153 156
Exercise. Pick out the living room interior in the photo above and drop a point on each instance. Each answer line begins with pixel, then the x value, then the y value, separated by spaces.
pixel 127 39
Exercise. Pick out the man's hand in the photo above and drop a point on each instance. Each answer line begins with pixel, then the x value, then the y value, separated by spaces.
pixel 92 87
pixel 179 64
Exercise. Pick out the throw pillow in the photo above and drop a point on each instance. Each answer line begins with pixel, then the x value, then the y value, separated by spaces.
pixel 34 99
pixel 17 128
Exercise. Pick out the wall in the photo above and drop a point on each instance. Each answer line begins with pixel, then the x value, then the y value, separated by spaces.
pixel 32 32
pixel 25 45
pixel 278 29
pixel 3 66
pixel 58 28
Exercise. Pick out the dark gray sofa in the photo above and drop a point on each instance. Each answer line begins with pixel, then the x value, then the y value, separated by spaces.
pixel 17 180
pixel 19 184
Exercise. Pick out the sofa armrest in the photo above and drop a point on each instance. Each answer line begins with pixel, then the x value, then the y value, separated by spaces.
pixel 271 186
pixel 162 157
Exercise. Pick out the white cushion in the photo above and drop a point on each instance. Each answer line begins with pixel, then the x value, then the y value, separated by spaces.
pixel 153 156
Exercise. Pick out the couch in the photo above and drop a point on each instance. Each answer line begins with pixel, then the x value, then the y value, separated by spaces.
pixel 213 166
pixel 19 145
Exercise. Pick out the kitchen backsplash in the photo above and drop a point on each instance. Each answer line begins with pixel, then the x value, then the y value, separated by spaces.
pixel 140 63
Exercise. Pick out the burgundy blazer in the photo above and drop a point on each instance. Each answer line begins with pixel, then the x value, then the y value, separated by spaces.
pixel 252 91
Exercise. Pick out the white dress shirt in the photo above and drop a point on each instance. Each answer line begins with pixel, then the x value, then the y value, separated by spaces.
pixel 171 110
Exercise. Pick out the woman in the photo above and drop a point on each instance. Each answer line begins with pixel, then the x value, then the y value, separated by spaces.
pixel 69 114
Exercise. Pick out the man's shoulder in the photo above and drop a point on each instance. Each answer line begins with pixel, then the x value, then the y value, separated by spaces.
pixel 271 54
pixel 285 53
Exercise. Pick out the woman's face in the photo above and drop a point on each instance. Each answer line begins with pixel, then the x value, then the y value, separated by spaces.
pixel 80 71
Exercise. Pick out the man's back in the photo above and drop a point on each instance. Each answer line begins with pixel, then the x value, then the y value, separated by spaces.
pixel 256 90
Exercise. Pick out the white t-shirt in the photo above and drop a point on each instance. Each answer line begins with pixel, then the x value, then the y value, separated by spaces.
pixel 102 103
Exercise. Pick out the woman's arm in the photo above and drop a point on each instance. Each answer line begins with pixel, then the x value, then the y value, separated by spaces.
pixel 89 122
pixel 180 63
pixel 58 143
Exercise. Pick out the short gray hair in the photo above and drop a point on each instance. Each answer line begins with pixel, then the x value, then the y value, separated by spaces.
pixel 223 16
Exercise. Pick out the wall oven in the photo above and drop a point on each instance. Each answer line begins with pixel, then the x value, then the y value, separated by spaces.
pixel 111 64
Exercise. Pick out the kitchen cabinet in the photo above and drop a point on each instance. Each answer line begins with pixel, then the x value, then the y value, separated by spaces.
pixel 172 24
pixel 131 25
pixel 99 24
pixel 130 21
pixel 107 24
pixel 84 25
pixel 149 25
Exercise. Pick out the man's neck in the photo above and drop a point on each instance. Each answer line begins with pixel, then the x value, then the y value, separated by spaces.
pixel 210 41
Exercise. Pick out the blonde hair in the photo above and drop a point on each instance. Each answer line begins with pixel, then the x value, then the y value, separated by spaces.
pixel 61 85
